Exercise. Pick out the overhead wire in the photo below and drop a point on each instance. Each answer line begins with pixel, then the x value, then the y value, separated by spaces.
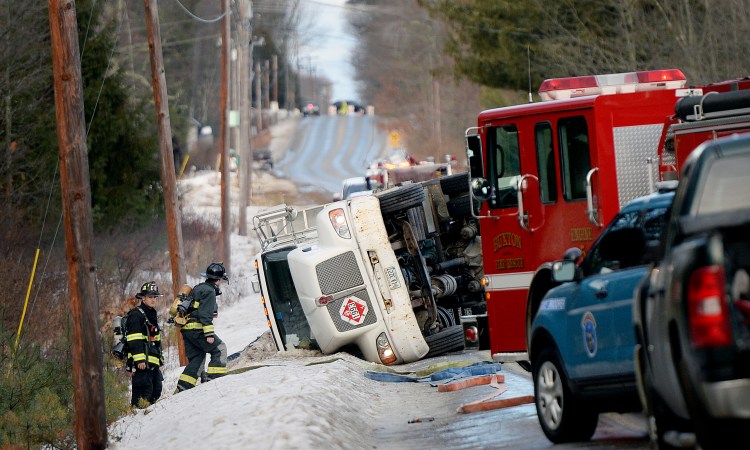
pixel 200 19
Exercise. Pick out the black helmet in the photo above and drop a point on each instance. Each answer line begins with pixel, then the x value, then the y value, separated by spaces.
pixel 215 271
pixel 149 289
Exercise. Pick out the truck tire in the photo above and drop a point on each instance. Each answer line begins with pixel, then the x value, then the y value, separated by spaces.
pixel 460 207
pixel 401 198
pixel 446 340
pixel 562 416
pixel 446 316
pixel 455 184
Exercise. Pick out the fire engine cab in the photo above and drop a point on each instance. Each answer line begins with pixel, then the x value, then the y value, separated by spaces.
pixel 551 174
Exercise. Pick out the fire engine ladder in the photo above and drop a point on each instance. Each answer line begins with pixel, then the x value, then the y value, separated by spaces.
pixel 282 225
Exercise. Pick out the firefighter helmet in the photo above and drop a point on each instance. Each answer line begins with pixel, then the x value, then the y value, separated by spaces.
pixel 149 289
pixel 215 271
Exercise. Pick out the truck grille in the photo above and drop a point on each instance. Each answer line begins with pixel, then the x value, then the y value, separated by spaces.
pixel 334 309
pixel 339 273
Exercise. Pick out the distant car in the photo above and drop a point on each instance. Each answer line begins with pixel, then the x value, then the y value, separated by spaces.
pixel 581 340
pixel 310 109
pixel 354 185
pixel 357 107
pixel 692 312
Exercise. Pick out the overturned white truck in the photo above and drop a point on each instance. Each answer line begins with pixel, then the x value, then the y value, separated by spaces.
pixel 393 277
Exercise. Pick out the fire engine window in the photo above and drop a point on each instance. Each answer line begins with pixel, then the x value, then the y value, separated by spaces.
pixel 574 154
pixel 545 159
pixel 505 167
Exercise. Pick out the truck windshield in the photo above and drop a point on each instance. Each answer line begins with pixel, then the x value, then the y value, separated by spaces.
pixel 285 308
pixel 725 188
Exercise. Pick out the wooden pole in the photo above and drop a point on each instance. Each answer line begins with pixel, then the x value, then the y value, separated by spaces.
pixel 226 214
pixel 86 345
pixel 266 79
pixel 161 105
pixel 258 99
pixel 275 68
pixel 245 150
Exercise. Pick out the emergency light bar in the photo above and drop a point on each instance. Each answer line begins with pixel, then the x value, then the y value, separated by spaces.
pixel 614 83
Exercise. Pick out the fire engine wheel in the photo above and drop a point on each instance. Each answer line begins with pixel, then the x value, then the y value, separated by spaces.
pixel 455 184
pixel 562 416
pixel 401 198
pixel 446 340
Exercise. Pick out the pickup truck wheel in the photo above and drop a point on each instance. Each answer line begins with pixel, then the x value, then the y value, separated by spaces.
pixel 563 417
pixel 446 340
pixel 400 199
pixel 661 423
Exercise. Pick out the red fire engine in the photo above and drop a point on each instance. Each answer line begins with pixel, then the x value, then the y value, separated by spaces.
pixel 713 111
pixel 555 173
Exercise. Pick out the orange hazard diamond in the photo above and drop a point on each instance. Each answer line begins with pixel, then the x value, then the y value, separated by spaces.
pixel 353 310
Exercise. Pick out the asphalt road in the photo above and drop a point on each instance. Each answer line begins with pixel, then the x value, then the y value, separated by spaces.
pixel 325 150
pixel 428 419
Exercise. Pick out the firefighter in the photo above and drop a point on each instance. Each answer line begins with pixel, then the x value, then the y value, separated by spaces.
pixel 198 333
pixel 144 347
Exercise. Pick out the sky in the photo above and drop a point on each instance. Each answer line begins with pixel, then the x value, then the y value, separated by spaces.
pixel 330 46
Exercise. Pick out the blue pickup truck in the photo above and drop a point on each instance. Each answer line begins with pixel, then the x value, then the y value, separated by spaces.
pixel 581 340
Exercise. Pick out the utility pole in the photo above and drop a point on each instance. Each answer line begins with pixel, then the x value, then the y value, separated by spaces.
pixel 226 215
pixel 275 67
pixel 258 98
pixel 86 345
pixel 161 106
pixel 245 150
pixel 437 117
pixel 266 76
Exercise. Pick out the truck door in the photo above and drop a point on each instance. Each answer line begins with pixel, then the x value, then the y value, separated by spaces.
pixel 507 244
pixel 567 222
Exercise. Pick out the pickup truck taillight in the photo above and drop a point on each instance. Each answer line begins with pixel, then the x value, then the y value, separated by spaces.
pixel 707 309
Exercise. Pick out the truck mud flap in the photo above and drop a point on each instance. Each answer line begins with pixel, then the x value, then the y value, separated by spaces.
pixel 446 340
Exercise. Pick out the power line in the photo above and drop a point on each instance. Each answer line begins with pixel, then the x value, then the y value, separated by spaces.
pixel 199 19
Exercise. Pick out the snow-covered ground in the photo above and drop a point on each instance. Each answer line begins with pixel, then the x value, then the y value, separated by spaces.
pixel 296 400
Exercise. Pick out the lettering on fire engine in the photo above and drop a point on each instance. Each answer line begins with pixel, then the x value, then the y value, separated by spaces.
pixel 581 234
pixel 509 263
pixel 507 240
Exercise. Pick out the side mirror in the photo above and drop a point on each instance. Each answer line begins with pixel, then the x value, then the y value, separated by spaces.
pixel 474 155
pixel 481 189
pixel 255 283
pixel 564 271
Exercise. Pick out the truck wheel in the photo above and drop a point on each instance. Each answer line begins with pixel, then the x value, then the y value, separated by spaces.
pixel 401 198
pixel 446 340
pixel 455 184
pixel 661 422
pixel 446 318
pixel 460 207
pixel 563 417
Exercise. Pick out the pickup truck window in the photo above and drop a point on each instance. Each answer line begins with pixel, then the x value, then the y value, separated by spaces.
pixel 619 253
pixel 725 187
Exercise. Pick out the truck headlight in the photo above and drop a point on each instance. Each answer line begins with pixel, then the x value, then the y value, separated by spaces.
pixel 385 352
pixel 338 220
